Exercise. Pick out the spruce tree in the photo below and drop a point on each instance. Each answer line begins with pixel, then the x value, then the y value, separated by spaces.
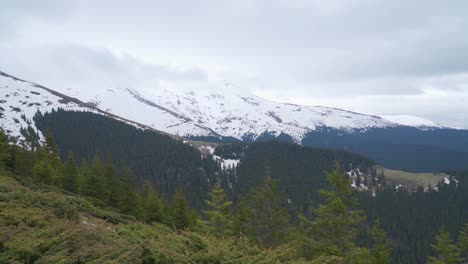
pixel 182 217
pixel 153 209
pixel 111 183
pixel 446 251
pixel 463 243
pixel 263 214
pixel 42 170
pixel 4 150
pixel 335 228
pixel 94 183
pixel 381 249
pixel 219 215
pixel 70 174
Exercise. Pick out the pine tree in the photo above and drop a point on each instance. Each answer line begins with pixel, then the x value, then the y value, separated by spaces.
pixel 446 251
pixel 47 164
pixel 182 217
pixel 335 228
pixel 4 150
pixel 381 249
pixel 153 209
pixel 42 171
pixel 94 184
pixel 219 215
pixel 50 144
pixel 70 174
pixel 129 201
pixel 111 183
pixel 263 214
pixel 463 242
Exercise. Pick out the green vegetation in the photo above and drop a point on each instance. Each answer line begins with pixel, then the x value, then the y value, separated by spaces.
pixel 271 201
pixel 412 216
pixel 446 251
pixel 41 221
pixel 410 178
pixel 43 224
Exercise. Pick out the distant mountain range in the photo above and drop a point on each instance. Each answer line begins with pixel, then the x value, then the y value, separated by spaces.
pixel 222 114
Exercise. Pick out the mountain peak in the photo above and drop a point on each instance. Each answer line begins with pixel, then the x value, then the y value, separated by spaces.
pixel 219 110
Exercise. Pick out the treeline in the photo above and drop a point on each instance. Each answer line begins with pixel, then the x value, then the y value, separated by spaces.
pixel 300 170
pixel 264 214
pixel 155 158
pixel 169 164
pixel 412 217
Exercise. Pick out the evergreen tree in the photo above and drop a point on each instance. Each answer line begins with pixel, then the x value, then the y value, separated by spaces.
pixel 463 242
pixel 47 164
pixel 50 144
pixel 4 150
pixel 111 182
pixel 219 215
pixel 129 201
pixel 381 249
pixel 263 214
pixel 182 217
pixel 43 171
pixel 70 174
pixel 94 184
pixel 446 251
pixel 335 228
pixel 153 209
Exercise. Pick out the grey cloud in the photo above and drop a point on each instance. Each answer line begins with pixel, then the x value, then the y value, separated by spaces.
pixel 77 66
pixel 303 49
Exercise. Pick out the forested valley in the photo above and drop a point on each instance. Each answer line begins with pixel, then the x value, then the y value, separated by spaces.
pixel 140 196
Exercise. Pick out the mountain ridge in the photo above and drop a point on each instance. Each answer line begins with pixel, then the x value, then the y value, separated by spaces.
pixel 215 113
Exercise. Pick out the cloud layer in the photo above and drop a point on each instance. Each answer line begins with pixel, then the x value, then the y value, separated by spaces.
pixel 378 57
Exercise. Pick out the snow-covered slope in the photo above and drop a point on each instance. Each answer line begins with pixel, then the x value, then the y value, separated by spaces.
pixel 20 100
pixel 414 121
pixel 217 111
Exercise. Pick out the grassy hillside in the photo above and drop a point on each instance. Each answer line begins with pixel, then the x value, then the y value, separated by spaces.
pixel 411 178
pixel 46 225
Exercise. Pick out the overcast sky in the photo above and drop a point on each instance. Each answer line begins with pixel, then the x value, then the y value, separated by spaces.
pixel 377 57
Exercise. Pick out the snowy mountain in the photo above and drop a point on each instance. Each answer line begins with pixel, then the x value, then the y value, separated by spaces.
pixel 221 113
pixel 20 100
pixel 212 112
pixel 414 121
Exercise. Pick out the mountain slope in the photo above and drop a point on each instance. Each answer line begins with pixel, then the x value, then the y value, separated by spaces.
pixel 43 224
pixel 223 114
pixel 20 100
pixel 217 111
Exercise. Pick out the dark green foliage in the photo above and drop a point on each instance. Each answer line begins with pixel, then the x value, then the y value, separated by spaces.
pixel 446 252
pixel 153 157
pixel 182 216
pixel 4 150
pixel 381 248
pixel 129 201
pixel 153 206
pixel 219 214
pixel 300 170
pixel 46 226
pixel 411 220
pixel 463 242
pixel 70 175
pixel 335 228
pixel 263 214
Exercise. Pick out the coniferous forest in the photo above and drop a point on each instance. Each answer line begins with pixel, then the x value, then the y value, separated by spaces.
pixel 99 190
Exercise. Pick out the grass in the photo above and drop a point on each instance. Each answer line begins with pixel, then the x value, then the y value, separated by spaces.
pixel 411 178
